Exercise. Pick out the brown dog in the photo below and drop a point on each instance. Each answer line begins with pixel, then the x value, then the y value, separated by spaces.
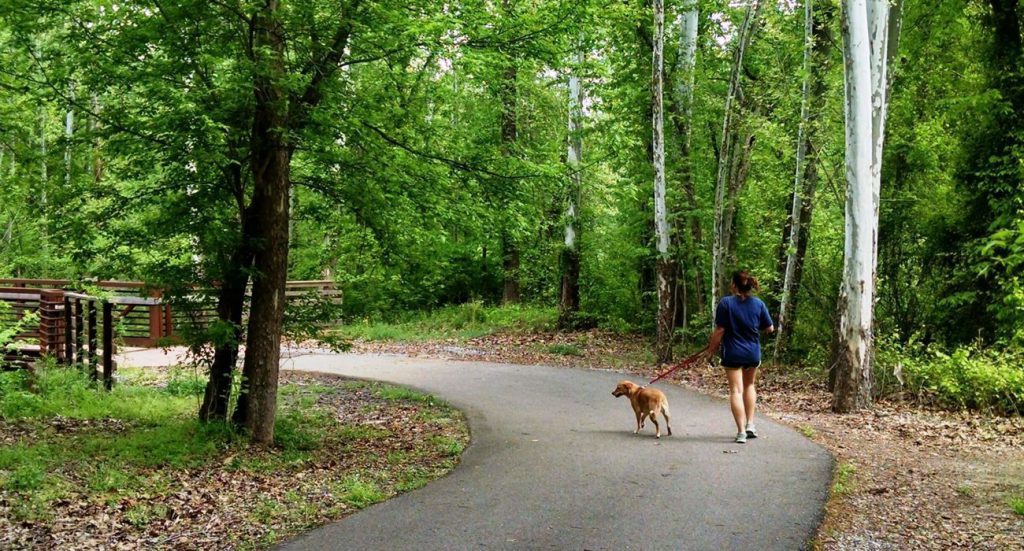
pixel 646 402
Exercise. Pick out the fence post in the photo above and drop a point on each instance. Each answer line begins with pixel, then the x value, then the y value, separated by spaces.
pixel 69 345
pixel 155 320
pixel 79 335
pixel 49 323
pixel 92 340
pixel 108 345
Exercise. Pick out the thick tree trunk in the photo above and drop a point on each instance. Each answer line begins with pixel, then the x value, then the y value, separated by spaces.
pixel 726 157
pixel 865 33
pixel 570 296
pixel 665 269
pixel 682 119
pixel 270 165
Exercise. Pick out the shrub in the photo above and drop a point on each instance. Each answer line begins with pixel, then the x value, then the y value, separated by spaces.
pixel 966 378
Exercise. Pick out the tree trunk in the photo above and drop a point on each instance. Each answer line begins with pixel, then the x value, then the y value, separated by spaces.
pixel 719 278
pixel 509 133
pixel 270 165
pixel 665 271
pixel 69 129
pixel 230 307
pixel 682 119
pixel 865 33
pixel 743 148
pixel 570 297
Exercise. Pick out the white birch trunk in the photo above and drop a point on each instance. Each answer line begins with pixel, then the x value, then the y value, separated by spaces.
pixel 663 344
pixel 657 123
pixel 570 264
pixel 574 152
pixel 686 61
pixel 69 129
pixel 798 199
pixel 865 32
pixel 44 175
pixel 718 241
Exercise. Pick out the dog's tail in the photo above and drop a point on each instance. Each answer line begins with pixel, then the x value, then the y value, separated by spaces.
pixel 664 409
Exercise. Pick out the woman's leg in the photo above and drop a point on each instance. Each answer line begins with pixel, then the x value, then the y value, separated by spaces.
pixel 735 376
pixel 749 393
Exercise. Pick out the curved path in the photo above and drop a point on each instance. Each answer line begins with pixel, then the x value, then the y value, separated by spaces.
pixel 553 464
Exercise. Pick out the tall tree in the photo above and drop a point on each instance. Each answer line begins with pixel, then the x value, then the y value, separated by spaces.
pixel 666 317
pixel 865 40
pixel 816 65
pixel 509 134
pixel 733 157
pixel 683 75
pixel 570 295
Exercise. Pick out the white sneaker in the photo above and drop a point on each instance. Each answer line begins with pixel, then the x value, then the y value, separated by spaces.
pixel 741 437
pixel 751 430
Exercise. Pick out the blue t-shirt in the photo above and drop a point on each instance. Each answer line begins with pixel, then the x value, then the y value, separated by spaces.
pixel 742 320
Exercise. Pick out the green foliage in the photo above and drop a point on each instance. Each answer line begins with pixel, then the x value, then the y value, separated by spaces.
pixel 185 382
pixel 842 479
pixel 461 322
pixel 1017 505
pixel 10 329
pixel 968 377
pixel 360 493
pixel 408 194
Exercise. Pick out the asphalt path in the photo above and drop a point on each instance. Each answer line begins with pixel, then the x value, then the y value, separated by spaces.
pixel 553 464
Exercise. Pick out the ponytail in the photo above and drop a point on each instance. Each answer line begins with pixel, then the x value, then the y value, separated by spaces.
pixel 745 282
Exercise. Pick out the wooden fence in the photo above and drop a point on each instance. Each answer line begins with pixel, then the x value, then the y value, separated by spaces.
pixel 78 328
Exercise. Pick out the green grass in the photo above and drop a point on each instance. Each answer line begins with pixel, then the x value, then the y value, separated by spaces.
pixel 360 493
pixel 1017 505
pixel 460 322
pixel 447 446
pixel 842 482
pixel 806 430
pixel 397 393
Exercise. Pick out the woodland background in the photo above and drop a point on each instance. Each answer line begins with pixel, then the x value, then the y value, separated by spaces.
pixel 429 168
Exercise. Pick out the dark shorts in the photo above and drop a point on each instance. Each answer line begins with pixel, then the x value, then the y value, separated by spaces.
pixel 741 366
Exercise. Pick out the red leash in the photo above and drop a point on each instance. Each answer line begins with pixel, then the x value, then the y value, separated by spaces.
pixel 684 363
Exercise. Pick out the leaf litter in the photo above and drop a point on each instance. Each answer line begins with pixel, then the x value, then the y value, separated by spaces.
pixel 246 498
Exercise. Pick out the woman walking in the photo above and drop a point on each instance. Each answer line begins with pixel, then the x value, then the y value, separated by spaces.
pixel 739 319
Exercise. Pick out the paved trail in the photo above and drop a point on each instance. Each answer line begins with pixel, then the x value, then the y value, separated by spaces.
pixel 553 464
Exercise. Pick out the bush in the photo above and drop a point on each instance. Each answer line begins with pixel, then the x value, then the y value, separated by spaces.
pixel 967 378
